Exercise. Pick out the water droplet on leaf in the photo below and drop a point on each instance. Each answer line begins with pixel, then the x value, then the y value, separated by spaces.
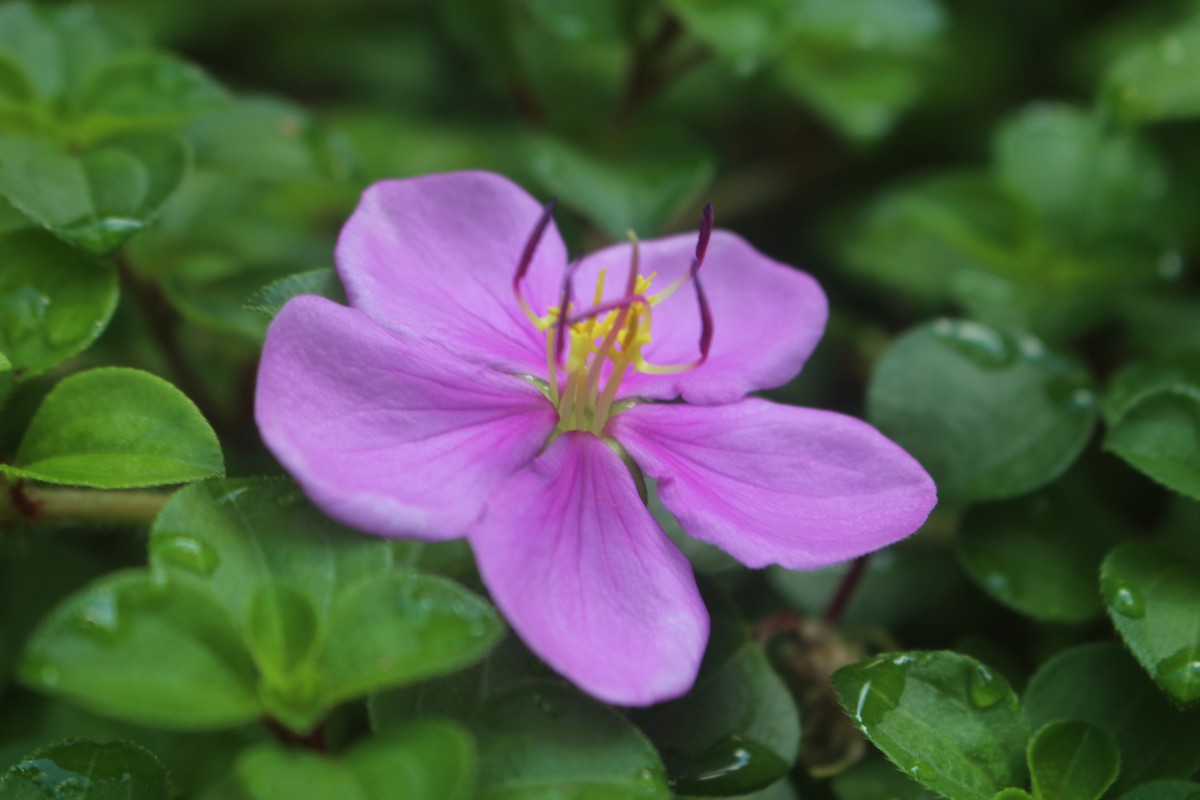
pixel 732 765
pixel 1123 599
pixel 101 615
pixel 980 344
pixel 185 552
pixel 985 689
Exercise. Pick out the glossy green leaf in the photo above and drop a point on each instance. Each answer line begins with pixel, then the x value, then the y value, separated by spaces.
pixel 1164 790
pixel 1100 684
pixel 77 768
pixel 737 730
pixel 54 300
pixel 424 760
pixel 117 428
pixel 1072 760
pixel 541 740
pixel 1155 79
pixel 945 719
pixel 639 194
pixel 874 778
pixel 98 197
pixel 1153 597
pixel 148 650
pixel 268 300
pixel 1081 178
pixel 1153 418
pixel 990 415
pixel 1039 555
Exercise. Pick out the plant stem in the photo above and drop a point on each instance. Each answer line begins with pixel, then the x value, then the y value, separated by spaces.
pixel 20 502
pixel 845 591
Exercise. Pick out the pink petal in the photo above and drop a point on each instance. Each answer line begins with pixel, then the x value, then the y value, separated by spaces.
pixel 390 433
pixel 436 255
pixel 767 317
pixel 580 569
pixel 773 484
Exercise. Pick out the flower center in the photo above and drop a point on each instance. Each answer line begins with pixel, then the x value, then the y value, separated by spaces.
pixel 604 342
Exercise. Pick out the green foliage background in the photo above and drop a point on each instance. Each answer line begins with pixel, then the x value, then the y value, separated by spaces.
pixel 1001 199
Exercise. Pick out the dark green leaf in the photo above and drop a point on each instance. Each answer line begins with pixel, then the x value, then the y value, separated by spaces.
pixel 422 761
pixel 1072 760
pixel 77 768
pixel 96 198
pixel 947 720
pixel 875 778
pixel 1153 597
pixel 54 300
pixel 117 428
pixel 1155 80
pixel 1101 685
pixel 1164 790
pixel 147 649
pixel 542 740
pixel 990 415
pixel 268 300
pixel 1153 415
pixel 582 19
pixel 746 34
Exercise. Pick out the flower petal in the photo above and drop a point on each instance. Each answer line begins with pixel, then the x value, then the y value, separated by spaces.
pixel 767 317
pixel 386 432
pixel 773 484
pixel 579 567
pixel 436 255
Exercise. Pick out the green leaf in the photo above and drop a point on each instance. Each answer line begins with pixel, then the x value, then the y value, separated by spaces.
pixel 640 194
pixel 117 428
pixel 1153 418
pixel 268 300
pixel 98 197
pixel 1164 790
pixel 875 778
pixel 1101 685
pixel 737 730
pixel 1039 555
pixel 1155 80
pixel 543 740
pixel 990 415
pixel 421 761
pixel 1072 760
pixel 746 33
pixel 1153 598
pixel 145 649
pixel 581 20
pixel 1081 178
pixel 77 768
pixel 945 719
pixel 54 300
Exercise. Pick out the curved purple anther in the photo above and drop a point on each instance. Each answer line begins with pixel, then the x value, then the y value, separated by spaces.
pixel 564 301
pixel 610 305
pixel 706 229
pixel 535 237
pixel 706 321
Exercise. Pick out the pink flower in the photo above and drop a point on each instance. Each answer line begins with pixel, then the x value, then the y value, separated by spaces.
pixel 453 399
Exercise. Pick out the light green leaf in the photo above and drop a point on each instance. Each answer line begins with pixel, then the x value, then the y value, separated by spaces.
pixel 1153 597
pixel 1072 760
pixel 1155 80
pixel 54 300
pixel 96 198
pixel 945 719
pixel 737 730
pixel 746 33
pixel 148 650
pixel 422 761
pixel 77 768
pixel 990 415
pixel 543 740
pixel 1101 685
pixel 268 300
pixel 117 428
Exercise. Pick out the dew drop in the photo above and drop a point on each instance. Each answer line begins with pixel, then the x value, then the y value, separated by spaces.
pixel 920 769
pixel 1123 599
pixel 186 553
pixel 984 688
pixel 980 344
pixel 1180 673
pixel 101 615
pixel 231 496
pixel 646 775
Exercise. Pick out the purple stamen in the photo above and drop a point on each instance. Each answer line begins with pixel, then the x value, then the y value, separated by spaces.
pixel 609 305
pixel 706 229
pixel 706 324
pixel 564 301
pixel 535 237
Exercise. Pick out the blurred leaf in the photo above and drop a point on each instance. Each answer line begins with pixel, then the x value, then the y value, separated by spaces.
pixel 1155 80
pixel 875 778
pixel 155 652
pixel 583 19
pixel 1153 416
pixel 54 301
pixel 1081 178
pixel 421 761
pixel 746 33
pixel 989 414
pixel 737 730
pixel 117 428
pixel 639 194
pixel 945 719
pixel 98 197
pixel 1072 760
pixel 1153 597
pixel 1163 790
pixel 1101 685
pixel 77 768
pixel 1040 555
pixel 269 299
pixel 544 735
